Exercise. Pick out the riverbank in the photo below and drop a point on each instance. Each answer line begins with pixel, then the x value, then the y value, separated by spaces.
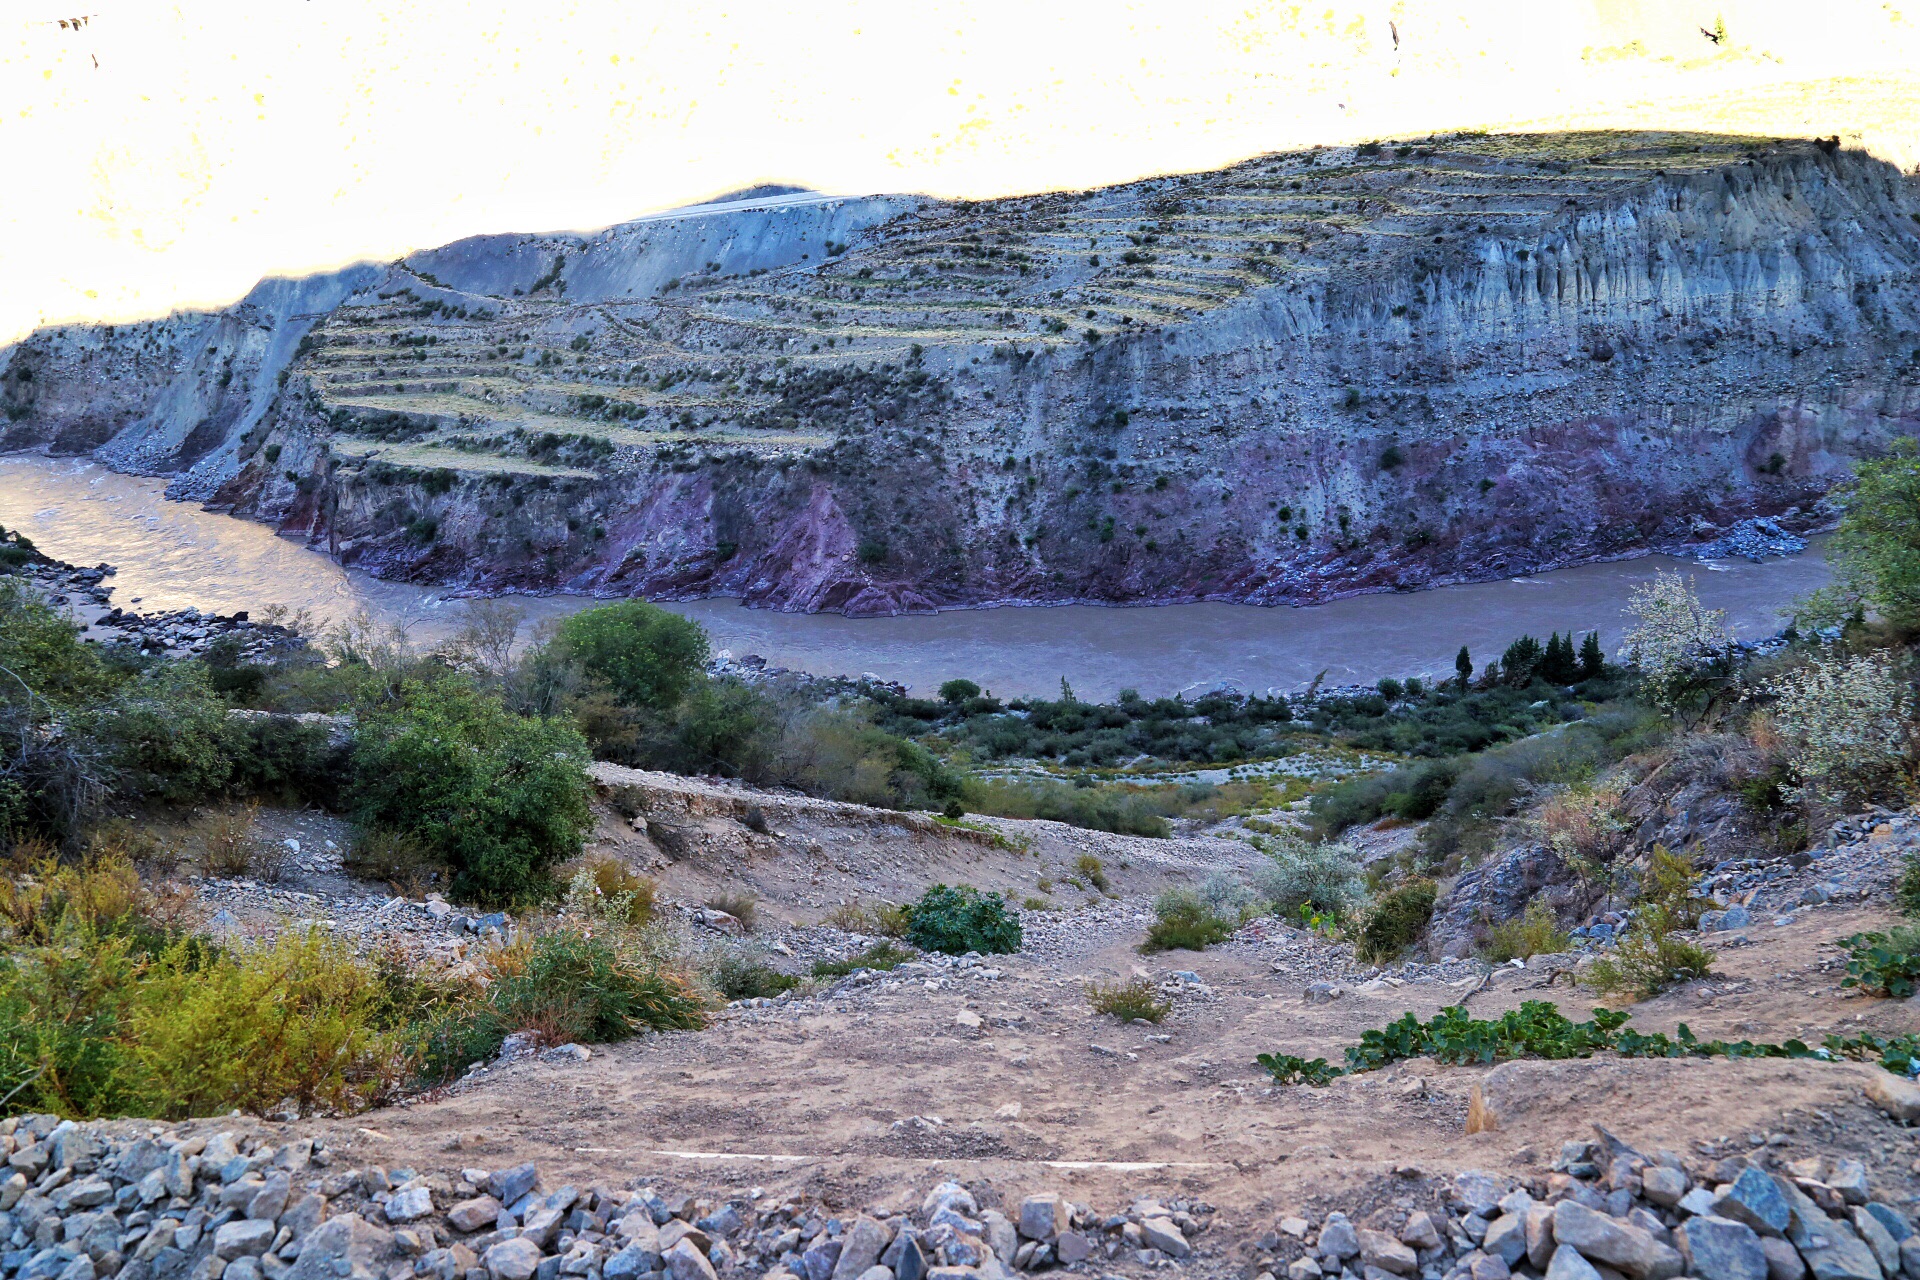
pixel 172 555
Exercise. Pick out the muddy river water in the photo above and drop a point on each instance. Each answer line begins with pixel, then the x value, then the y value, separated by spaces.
pixel 171 555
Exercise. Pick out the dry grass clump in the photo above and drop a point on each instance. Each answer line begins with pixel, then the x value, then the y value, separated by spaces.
pixel 875 919
pixel 1533 933
pixel 1129 1000
pixel 742 907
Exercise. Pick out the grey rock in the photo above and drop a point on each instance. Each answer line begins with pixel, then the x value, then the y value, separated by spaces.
pixel 1071 1247
pixel 1161 1234
pixel 1619 1245
pixel 685 1262
pixel 347 1247
pixel 876 1272
pixel 243 1268
pixel 1043 1217
pixel 1696 1202
pixel 1506 1239
pixel 860 1248
pixel 1480 1192
pixel 1420 1231
pixel 1338 1239
pixel 81 1268
pixel 1758 1201
pixel 1783 1260
pixel 1303 1269
pixel 511 1260
pixel 1378 1249
pixel 817 1262
pixel 953 1196
pixel 1540 1241
pixel 912 1264
pixel 1000 1235
pixel 1886 1250
pixel 1849 1178
pixel 723 1221
pixel 632 1261
pixel 1892 1220
pixel 413 1204
pixel 1489 1267
pixel 541 1225
pixel 271 1200
pixel 1568 1264
pixel 508 1185
pixel 1663 1186
pixel 247 1236
pixel 472 1215
pixel 1718 1248
pixel 1910 1258
pixel 1896 1095
pixel 303 1213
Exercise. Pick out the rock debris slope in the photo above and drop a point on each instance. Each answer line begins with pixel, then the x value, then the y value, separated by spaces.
pixel 1304 375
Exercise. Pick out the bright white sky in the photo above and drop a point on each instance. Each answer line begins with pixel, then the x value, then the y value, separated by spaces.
pixel 166 155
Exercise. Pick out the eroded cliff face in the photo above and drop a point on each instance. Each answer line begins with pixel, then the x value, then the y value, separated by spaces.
pixel 1303 376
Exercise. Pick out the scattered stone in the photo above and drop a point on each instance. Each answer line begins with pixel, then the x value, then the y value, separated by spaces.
pixel 1721 1249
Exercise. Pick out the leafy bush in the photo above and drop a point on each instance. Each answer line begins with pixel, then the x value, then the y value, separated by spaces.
pixel 1884 964
pixel 1322 877
pixel 1649 959
pixel 881 956
pixel 958 919
pixel 1875 554
pixel 1396 921
pixel 739 976
pixel 166 734
pixel 613 891
pixel 1846 722
pixel 648 656
pixel 1129 1000
pixel 499 798
pixel 1534 932
pixel 564 986
pixel 1183 921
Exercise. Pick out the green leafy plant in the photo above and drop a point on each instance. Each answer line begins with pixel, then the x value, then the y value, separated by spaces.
pixel 881 956
pixel 1183 921
pixel 1884 964
pixel 1649 959
pixel 1395 921
pixel 1129 1000
pixel 498 798
pixel 1537 1029
pixel 957 919
pixel 739 976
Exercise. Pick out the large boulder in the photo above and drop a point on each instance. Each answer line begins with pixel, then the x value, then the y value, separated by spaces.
pixel 1496 890
pixel 344 1248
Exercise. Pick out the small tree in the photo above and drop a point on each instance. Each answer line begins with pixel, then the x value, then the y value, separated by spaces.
pixel 1463 666
pixel 1674 638
pixel 1846 725
pixel 1875 554
pixel 649 657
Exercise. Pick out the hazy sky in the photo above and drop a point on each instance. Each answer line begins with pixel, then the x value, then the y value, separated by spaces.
pixel 167 155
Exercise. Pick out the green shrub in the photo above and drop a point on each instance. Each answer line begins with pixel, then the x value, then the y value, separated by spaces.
pixel 566 987
pixel 880 956
pixel 1092 871
pixel 1183 921
pixel 1884 964
pixel 738 976
pixel 650 657
pixel 167 735
pixel 1648 958
pixel 1129 1000
pixel 1535 932
pixel 498 798
pixel 957 919
pixel 1320 877
pixel 1122 810
pixel 1396 921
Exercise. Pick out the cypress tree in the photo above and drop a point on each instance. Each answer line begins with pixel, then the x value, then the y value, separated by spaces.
pixel 1463 666
pixel 1592 660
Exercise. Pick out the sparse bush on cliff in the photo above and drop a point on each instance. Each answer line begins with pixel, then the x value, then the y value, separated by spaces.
pixel 1875 554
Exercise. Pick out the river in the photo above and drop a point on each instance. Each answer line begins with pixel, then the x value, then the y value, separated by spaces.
pixel 171 555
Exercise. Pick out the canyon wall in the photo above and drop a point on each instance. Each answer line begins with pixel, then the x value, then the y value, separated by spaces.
pixel 1303 376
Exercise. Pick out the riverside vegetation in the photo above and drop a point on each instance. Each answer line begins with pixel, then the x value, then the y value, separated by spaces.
pixel 466 770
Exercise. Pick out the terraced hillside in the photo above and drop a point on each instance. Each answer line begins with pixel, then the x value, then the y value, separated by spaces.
pixel 1308 374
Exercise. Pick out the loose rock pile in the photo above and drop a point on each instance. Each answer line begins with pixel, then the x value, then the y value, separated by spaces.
pixel 1608 1212
pixel 83 1201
